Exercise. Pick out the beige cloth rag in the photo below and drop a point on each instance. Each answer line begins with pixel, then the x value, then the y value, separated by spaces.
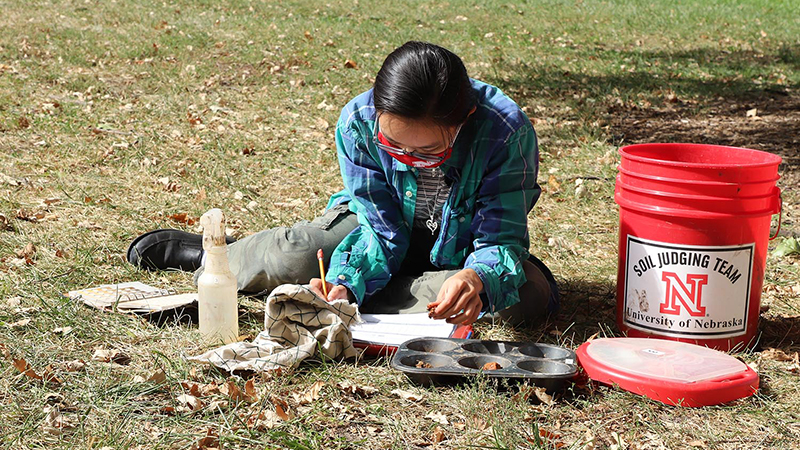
pixel 297 322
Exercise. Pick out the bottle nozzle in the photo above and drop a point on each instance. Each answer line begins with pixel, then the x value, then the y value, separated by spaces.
pixel 213 223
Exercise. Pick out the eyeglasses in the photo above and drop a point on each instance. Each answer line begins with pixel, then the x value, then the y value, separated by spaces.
pixel 377 137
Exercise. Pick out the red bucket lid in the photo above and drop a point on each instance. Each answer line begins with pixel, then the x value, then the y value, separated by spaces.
pixel 675 373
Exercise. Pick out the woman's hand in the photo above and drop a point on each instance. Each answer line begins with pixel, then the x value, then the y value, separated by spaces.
pixel 335 291
pixel 459 299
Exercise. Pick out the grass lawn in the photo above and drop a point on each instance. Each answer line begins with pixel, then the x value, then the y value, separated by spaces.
pixel 121 117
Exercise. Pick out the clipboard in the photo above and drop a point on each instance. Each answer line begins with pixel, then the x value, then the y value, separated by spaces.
pixel 382 334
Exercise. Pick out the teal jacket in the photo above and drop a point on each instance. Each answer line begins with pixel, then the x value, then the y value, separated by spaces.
pixel 484 226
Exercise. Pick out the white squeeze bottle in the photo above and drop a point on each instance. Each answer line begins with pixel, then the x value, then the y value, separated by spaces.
pixel 216 286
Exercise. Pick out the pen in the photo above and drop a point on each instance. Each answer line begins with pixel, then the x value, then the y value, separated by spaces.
pixel 322 273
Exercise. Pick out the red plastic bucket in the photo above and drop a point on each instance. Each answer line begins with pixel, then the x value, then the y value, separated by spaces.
pixel 694 228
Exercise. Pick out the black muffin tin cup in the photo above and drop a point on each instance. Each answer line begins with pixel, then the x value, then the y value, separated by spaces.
pixel 452 360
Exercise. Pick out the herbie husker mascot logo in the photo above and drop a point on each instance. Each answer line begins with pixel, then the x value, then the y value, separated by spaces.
pixel 689 294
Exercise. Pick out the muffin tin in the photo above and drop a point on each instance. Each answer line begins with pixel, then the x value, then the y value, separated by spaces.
pixel 446 360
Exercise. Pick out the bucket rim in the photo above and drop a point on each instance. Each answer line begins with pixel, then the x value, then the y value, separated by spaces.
pixel 773 193
pixel 625 153
pixel 631 173
pixel 685 213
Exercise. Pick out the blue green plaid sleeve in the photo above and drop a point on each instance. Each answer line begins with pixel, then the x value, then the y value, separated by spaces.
pixel 500 225
pixel 364 261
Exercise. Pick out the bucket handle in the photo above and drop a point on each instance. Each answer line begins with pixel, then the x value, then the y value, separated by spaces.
pixel 780 214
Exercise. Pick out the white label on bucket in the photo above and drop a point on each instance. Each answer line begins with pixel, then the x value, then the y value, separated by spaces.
pixel 687 291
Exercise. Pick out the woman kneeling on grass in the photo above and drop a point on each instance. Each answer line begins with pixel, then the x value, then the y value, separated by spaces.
pixel 440 174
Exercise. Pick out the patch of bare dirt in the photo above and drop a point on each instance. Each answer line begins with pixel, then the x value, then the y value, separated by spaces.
pixel 769 122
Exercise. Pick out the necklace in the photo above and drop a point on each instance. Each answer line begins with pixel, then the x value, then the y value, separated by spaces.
pixel 431 223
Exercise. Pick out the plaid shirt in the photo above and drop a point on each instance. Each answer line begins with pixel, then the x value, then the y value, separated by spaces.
pixel 484 223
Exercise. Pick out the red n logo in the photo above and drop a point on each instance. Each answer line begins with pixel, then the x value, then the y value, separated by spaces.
pixel 689 294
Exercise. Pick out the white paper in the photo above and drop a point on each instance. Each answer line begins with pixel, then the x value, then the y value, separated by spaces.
pixel 394 329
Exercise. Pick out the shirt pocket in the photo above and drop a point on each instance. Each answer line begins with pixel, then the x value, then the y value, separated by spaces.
pixel 463 212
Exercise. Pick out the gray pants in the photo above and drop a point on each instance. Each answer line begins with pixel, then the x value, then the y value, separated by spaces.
pixel 288 255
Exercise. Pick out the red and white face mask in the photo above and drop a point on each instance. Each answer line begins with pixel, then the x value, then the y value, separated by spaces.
pixel 413 159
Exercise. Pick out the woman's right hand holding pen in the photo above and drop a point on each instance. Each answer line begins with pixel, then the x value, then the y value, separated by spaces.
pixel 335 292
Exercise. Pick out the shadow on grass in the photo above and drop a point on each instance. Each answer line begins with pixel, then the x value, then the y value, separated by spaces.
pixel 587 307
pixel 184 316
pixel 689 102
pixel 686 72
pixel 780 332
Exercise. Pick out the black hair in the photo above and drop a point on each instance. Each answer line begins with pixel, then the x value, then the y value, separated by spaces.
pixel 419 80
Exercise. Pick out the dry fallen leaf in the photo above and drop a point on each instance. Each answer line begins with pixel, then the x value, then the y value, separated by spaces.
pixel 26 370
pixel 5 224
pixel 409 395
pixel 209 442
pixel 193 388
pixel 189 401
pixel 54 422
pixel 477 423
pixel 264 420
pixel 437 417
pixel 552 183
pixel 350 64
pixel 250 390
pixel 183 218
pixel 375 431
pixel 89 225
pixel 232 390
pixel 438 435
pixel 697 443
pixel 75 365
pixel 358 391
pixel 27 252
pixel 777 355
pixel 322 124
pixel 311 394
pixel 111 356
pixel 19 324
pixel 168 185
pixel 4 350
pixel 30 216
pixel 752 113
pixel 543 396
pixel 157 377
pixel 62 330
pixel 210 389
pixel 619 444
pixel 281 408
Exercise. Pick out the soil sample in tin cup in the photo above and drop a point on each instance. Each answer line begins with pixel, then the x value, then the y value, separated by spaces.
pixel 491 366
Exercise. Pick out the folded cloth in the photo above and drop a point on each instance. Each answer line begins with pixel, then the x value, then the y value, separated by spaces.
pixel 296 324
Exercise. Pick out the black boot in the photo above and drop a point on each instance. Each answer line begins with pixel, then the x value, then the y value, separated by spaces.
pixel 168 249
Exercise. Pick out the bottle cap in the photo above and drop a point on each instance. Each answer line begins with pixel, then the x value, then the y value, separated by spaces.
pixel 213 223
